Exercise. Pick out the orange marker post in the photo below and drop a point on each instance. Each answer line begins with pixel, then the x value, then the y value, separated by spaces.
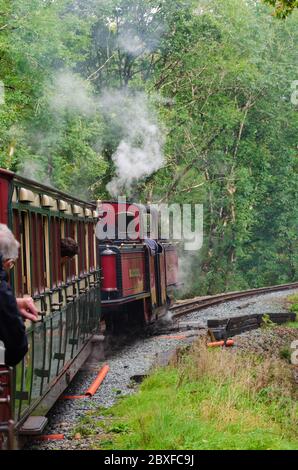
pixel 98 381
pixel 51 437
pixel 216 344
pixel 72 397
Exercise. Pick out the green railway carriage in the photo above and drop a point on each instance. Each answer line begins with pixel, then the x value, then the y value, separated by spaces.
pixel 67 295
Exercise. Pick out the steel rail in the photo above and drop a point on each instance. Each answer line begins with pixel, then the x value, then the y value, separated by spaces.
pixel 199 303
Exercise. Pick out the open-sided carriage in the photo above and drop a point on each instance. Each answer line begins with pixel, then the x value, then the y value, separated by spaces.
pixel 67 296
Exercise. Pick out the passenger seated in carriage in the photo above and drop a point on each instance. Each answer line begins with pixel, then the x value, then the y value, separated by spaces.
pixel 68 249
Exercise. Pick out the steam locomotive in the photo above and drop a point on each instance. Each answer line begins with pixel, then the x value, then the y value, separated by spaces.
pixel 115 280
pixel 139 269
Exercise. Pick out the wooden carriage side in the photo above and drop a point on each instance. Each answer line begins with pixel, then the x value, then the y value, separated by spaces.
pixel 66 295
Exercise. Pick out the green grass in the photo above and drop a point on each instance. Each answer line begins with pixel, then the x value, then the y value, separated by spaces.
pixel 293 324
pixel 293 299
pixel 211 400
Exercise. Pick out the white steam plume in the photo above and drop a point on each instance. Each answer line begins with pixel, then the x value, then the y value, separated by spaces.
pixel 34 169
pixel 71 93
pixel 130 41
pixel 65 93
pixel 140 152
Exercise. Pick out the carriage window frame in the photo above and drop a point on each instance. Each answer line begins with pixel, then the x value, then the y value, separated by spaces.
pixel 71 265
pixel 81 241
pixel 32 267
pixel 46 247
pixel 91 246
pixel 37 228
pixel 26 252
pixel 55 253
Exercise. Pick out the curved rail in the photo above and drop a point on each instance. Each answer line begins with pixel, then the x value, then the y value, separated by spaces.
pixel 199 303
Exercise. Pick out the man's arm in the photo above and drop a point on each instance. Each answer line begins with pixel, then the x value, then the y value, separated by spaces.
pixel 12 328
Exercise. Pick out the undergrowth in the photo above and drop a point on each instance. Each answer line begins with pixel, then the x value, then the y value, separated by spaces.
pixel 210 399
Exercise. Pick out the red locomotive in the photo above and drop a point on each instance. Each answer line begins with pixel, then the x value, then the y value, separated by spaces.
pixel 139 269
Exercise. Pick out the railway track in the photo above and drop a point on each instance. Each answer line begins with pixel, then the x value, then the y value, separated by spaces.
pixel 199 303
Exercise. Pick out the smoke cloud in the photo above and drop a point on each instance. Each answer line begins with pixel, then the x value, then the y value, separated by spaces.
pixel 135 43
pixel 140 151
pixel 131 116
pixel 34 169
pixel 130 42
pixel 66 94
pixel 69 92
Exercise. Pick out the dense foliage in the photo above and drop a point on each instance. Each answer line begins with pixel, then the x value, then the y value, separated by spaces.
pixel 283 7
pixel 215 76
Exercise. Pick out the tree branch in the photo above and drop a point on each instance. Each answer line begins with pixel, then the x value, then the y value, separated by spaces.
pixel 190 165
pixel 93 75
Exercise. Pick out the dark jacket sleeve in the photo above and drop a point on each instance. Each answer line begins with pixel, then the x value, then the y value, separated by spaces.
pixel 12 328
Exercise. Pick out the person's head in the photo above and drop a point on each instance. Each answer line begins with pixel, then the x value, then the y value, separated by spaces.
pixel 69 248
pixel 9 247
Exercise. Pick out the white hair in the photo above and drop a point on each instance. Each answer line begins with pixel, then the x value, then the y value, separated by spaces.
pixel 9 246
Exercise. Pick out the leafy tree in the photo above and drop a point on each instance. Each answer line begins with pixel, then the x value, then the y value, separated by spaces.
pixel 283 7
pixel 217 74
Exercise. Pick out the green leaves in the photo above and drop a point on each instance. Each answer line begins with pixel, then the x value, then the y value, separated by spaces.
pixel 283 8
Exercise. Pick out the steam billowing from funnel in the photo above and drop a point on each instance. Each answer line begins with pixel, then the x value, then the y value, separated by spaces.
pixel 140 152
